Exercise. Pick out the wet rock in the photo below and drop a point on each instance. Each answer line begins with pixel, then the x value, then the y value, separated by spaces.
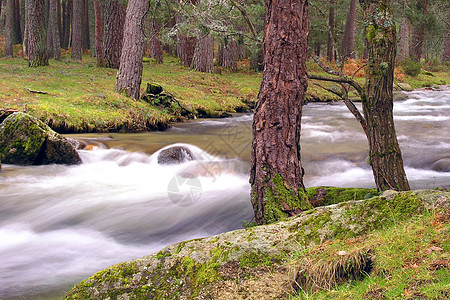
pixel 175 155
pixel 402 86
pixel 25 140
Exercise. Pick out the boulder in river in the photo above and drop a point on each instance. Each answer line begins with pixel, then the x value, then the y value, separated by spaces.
pixel 174 155
pixel 25 140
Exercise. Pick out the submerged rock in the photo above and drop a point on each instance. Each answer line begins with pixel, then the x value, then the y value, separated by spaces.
pixel 252 263
pixel 25 140
pixel 175 155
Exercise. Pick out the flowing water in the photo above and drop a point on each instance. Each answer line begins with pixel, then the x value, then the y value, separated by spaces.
pixel 61 224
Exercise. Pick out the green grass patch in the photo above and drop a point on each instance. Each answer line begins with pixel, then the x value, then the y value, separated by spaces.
pixel 408 260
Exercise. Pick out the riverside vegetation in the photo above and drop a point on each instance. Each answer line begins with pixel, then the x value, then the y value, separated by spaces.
pixel 72 96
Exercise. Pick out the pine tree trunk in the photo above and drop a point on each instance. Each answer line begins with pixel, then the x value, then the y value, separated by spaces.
pixel 404 35
pixel 17 29
pixel 53 43
pixel 348 40
pixel 203 60
pixel 276 171
pixel 384 152
pixel 418 33
pixel 330 44
pixel 66 20
pixel 9 28
pixel 446 51
pixel 98 32
pixel 113 26
pixel 230 55
pixel 76 28
pixel 155 49
pixel 130 71
pixel 85 45
pixel 36 41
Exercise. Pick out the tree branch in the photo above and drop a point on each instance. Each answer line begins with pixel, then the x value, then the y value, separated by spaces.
pixel 341 79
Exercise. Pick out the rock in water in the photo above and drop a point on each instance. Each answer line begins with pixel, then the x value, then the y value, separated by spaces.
pixel 174 155
pixel 25 140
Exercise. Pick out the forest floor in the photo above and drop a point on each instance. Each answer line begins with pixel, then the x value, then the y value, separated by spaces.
pixel 73 96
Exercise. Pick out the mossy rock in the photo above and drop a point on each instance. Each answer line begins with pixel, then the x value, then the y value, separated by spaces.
pixel 154 88
pixel 253 263
pixel 25 140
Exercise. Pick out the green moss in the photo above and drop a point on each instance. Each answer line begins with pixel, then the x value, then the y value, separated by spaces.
pixel 334 195
pixel 276 194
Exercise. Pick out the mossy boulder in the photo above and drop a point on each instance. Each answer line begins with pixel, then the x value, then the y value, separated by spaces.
pixel 154 88
pixel 25 140
pixel 253 263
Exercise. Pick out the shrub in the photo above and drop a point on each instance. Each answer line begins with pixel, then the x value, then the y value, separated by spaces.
pixel 411 67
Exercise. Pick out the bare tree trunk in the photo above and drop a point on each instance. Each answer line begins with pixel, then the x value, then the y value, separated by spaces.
pixel 330 44
pixel 66 21
pixel 9 28
pixel 130 71
pixel 53 43
pixel 98 32
pixel 113 25
pixel 418 33
pixel 203 59
pixel 36 41
pixel 230 55
pixel 348 40
pixel 76 28
pixel 85 45
pixel 17 29
pixel 446 52
pixel 276 171
pixel 384 152
pixel 404 36
pixel 155 49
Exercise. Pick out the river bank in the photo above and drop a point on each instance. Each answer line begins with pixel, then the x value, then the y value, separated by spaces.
pixel 78 97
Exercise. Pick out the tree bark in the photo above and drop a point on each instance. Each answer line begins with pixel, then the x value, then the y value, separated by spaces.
pixel 76 28
pixel 203 59
pixel 130 71
pixel 330 44
pixel 446 51
pixel 384 152
pixel 418 32
pixel 9 28
pixel 36 41
pixel 276 171
pixel 85 44
pixel 229 55
pixel 98 32
pixel 404 36
pixel 17 29
pixel 53 42
pixel 113 25
pixel 155 49
pixel 348 40
pixel 66 21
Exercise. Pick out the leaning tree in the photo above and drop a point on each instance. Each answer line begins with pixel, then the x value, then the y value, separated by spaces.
pixel 276 171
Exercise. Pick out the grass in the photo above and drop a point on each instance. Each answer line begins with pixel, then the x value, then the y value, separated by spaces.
pixel 80 97
pixel 410 260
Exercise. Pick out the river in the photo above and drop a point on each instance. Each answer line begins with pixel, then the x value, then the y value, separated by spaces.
pixel 61 224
